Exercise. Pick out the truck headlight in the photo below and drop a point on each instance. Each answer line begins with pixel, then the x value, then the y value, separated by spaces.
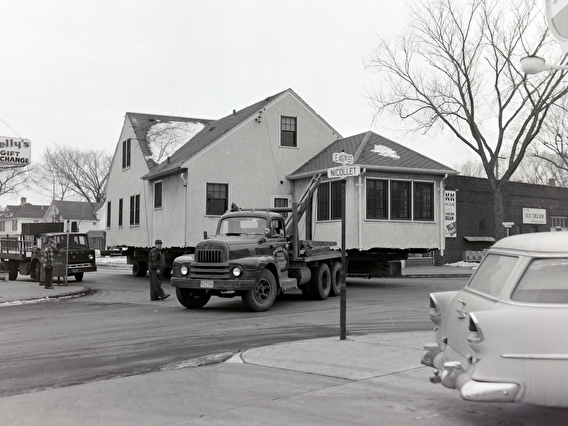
pixel 91 257
pixel 184 270
pixel 237 271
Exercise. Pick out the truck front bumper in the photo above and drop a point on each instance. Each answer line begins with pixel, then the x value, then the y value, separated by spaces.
pixel 212 284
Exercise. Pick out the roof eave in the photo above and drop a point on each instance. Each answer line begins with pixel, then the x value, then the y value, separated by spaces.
pixel 390 169
pixel 165 173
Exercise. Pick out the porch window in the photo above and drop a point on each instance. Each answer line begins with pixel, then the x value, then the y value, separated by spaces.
pixel 377 199
pixel 423 201
pixel 329 201
pixel 400 200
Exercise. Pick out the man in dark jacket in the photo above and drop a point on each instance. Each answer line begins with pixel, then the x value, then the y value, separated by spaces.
pixel 49 260
pixel 156 266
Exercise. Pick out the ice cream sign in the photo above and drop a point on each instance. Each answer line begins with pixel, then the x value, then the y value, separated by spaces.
pixel 15 151
pixel 534 216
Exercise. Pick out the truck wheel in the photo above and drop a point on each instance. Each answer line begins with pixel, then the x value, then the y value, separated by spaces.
pixel 13 274
pixel 321 282
pixel 263 296
pixel 192 299
pixel 79 276
pixel 335 279
pixel 139 268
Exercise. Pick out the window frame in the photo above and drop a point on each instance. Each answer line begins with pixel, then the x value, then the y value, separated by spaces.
pixel 134 210
pixel 108 215
pixel 120 212
pixel 328 203
pixel 158 195
pixel 126 154
pixel 215 186
pixel 426 213
pixel 277 199
pixel 288 131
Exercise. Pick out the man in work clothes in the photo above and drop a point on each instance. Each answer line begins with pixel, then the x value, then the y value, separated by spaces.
pixel 50 250
pixel 156 266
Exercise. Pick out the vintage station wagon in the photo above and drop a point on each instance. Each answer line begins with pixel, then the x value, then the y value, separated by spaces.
pixel 502 338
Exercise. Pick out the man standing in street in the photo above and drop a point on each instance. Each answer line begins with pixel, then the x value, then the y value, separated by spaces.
pixel 49 258
pixel 156 266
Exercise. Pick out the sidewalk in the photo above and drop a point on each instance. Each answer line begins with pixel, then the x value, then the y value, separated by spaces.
pixel 22 292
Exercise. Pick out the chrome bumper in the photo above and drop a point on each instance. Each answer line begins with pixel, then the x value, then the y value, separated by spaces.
pixel 453 376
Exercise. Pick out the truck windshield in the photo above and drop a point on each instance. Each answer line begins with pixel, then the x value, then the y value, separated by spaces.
pixel 242 225
pixel 75 241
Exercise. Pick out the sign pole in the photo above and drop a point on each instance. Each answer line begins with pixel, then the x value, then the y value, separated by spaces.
pixel 342 288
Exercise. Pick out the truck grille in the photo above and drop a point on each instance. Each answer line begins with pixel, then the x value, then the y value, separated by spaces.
pixel 209 256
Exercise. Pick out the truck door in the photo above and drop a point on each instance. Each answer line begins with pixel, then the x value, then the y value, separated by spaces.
pixel 279 243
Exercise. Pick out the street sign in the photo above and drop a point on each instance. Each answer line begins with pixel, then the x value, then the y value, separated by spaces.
pixel 343 172
pixel 508 224
pixel 342 158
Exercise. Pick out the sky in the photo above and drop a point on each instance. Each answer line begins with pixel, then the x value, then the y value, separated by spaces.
pixel 72 69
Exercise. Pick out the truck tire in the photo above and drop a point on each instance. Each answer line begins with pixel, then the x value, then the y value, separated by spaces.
pixel 335 279
pixel 320 283
pixel 192 299
pixel 139 268
pixel 13 273
pixel 263 296
pixel 79 276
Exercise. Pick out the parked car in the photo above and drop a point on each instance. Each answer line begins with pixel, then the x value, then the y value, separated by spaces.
pixel 502 338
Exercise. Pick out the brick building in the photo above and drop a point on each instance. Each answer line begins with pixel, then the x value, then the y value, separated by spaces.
pixel 528 208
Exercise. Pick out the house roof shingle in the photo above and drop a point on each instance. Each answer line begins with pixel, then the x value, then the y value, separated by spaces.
pixel 373 152
pixel 27 210
pixel 77 210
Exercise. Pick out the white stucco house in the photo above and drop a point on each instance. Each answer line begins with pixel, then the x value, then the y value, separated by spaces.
pixel 242 158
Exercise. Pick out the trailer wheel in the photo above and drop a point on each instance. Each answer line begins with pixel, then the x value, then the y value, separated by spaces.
pixel 139 268
pixel 321 283
pixel 264 293
pixel 13 273
pixel 192 299
pixel 335 279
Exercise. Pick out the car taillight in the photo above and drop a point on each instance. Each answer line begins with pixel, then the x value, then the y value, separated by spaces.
pixel 475 335
pixel 434 309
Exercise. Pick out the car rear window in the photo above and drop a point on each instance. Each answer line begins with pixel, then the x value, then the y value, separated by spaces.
pixel 492 274
pixel 544 281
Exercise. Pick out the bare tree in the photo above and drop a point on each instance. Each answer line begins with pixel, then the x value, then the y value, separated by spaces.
pixel 457 68
pixel 471 168
pixel 72 173
pixel 13 178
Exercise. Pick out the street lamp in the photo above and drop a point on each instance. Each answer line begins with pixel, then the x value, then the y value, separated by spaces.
pixel 536 64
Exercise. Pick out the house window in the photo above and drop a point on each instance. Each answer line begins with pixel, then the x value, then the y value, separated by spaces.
pixel 558 222
pixel 288 134
pixel 423 201
pixel 14 225
pixel 282 202
pixel 158 195
pixel 377 199
pixel 120 210
pixel 109 209
pixel 126 154
pixel 217 199
pixel 329 201
pixel 400 200
pixel 135 210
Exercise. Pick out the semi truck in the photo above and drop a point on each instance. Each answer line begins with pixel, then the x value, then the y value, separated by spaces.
pixel 22 254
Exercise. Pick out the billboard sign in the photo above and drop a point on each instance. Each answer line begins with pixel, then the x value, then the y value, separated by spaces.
pixel 15 151
pixel 450 220
pixel 557 19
